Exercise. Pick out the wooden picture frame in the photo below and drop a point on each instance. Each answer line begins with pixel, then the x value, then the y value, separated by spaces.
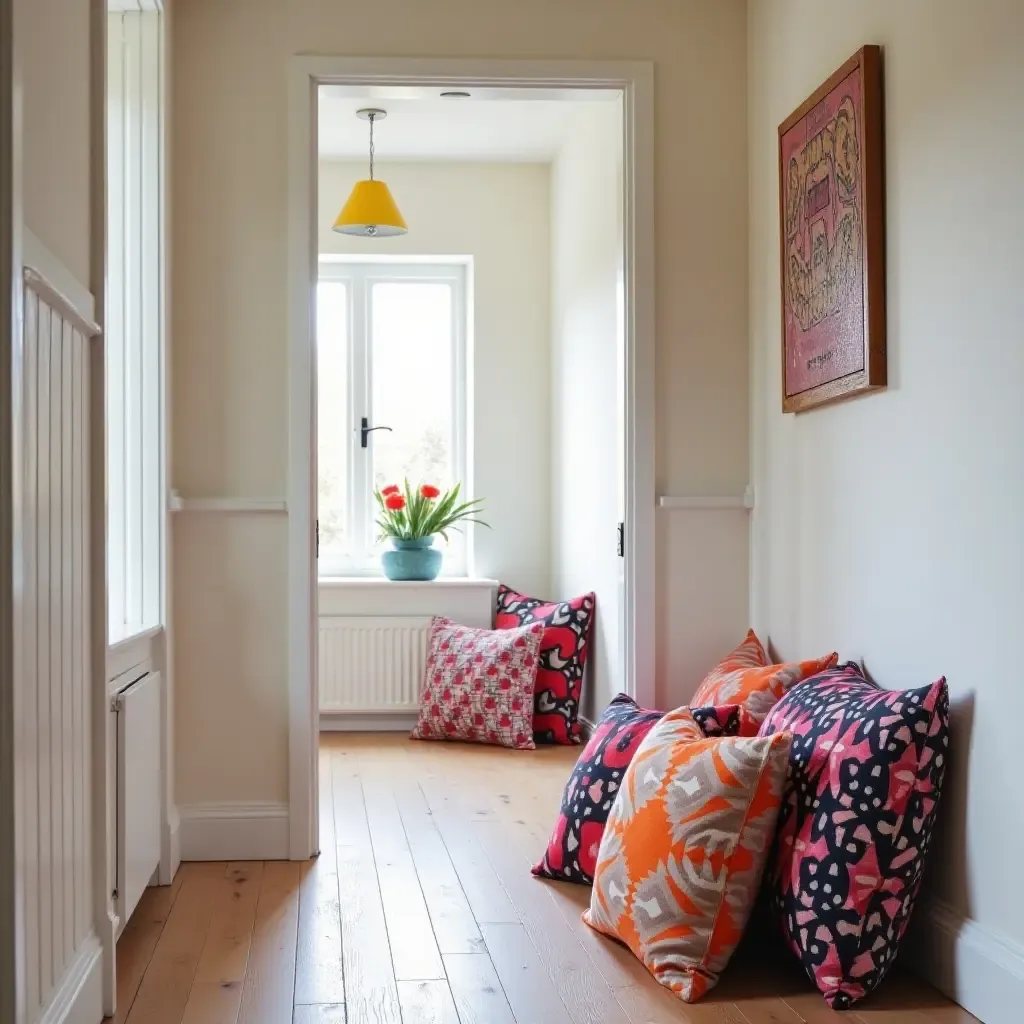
pixel 832 239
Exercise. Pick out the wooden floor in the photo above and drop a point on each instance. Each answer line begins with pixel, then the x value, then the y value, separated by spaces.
pixel 421 910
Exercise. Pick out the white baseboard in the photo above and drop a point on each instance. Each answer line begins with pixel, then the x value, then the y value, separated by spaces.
pixel 360 721
pixel 78 998
pixel 235 831
pixel 980 970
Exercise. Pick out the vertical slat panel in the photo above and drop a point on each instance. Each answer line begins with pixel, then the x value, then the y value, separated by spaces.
pixel 30 681
pixel 71 340
pixel 43 636
pixel 80 718
pixel 56 646
pixel 54 683
pixel 371 664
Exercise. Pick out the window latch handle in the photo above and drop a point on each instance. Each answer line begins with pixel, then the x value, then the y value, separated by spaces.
pixel 365 430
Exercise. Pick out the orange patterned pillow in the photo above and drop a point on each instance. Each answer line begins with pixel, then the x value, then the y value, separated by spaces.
pixel 684 848
pixel 747 677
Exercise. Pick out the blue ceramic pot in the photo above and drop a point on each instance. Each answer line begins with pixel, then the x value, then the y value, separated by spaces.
pixel 414 559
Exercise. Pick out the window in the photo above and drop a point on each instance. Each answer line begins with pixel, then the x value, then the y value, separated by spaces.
pixel 134 327
pixel 391 356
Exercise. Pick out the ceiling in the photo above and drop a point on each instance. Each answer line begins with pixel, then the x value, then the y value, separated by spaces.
pixel 502 125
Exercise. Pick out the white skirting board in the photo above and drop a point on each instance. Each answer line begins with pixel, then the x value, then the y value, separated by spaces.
pixel 980 970
pixel 234 831
pixel 384 721
pixel 78 998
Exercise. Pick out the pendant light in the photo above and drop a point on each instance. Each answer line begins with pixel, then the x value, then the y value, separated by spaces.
pixel 370 210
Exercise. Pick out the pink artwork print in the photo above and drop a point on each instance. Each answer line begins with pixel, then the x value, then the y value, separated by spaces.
pixel 823 240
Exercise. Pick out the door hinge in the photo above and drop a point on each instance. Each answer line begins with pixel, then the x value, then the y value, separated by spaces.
pixel 620 547
pixel 317 538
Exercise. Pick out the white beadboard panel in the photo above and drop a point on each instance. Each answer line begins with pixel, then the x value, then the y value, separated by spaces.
pixel 53 690
pixel 371 664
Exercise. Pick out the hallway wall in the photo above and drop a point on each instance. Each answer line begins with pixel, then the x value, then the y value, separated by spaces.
pixel 229 307
pixel 889 527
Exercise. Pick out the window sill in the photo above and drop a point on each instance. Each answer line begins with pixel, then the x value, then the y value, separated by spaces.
pixel 442 583
pixel 466 599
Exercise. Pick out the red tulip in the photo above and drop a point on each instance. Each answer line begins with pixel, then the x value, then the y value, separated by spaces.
pixel 390 489
pixel 429 491
pixel 395 502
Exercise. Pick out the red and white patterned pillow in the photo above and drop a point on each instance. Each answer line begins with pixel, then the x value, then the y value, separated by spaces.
pixel 478 684
pixel 563 657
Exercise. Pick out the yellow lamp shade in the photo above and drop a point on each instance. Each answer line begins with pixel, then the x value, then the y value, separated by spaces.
pixel 370 211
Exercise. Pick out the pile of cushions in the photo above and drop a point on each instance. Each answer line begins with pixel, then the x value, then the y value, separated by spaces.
pixel 804 773
pixel 515 686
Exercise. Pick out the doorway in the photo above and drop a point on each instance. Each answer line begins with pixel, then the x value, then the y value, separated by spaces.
pixel 630 377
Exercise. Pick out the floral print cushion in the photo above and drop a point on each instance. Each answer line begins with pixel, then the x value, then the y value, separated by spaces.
pixel 684 848
pixel 857 817
pixel 478 684
pixel 563 657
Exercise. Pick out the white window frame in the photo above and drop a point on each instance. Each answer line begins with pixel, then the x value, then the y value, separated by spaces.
pixel 136 407
pixel 360 274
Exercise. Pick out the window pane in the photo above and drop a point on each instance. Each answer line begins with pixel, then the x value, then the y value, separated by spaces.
pixel 333 422
pixel 411 352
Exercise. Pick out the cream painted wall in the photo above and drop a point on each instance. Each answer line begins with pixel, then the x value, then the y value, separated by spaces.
pixel 587 383
pixel 54 34
pixel 891 527
pixel 499 215
pixel 229 309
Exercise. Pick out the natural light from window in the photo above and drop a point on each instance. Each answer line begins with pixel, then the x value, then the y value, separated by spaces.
pixel 390 348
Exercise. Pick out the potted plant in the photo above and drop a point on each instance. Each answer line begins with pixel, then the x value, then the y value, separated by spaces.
pixel 411 519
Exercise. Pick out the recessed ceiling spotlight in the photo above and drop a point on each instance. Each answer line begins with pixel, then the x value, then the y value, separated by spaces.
pixel 455 94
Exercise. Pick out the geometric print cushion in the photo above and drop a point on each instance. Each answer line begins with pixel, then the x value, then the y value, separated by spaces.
pixel 684 848
pixel 572 849
pixel 858 813
pixel 563 657
pixel 478 684
pixel 587 799
pixel 747 677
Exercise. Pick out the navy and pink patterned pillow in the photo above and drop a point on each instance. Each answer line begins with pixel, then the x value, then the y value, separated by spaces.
pixel 478 684
pixel 571 853
pixel 563 657
pixel 857 816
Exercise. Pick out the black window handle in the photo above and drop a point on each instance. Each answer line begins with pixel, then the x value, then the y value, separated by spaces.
pixel 364 431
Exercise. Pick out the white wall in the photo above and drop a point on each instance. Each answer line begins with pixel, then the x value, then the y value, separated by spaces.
pixel 54 34
pixel 587 345
pixel 230 321
pixel 891 527
pixel 499 215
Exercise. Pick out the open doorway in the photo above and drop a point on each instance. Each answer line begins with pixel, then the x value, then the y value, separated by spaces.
pixel 505 341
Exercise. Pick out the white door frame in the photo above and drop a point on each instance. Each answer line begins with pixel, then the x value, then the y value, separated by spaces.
pixel 12 938
pixel 635 80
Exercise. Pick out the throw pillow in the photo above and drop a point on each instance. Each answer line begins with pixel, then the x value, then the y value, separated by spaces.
pixel 478 684
pixel 856 822
pixel 747 677
pixel 590 792
pixel 563 657
pixel 683 851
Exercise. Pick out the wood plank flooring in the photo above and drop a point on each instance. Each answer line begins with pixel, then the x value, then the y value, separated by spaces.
pixel 421 910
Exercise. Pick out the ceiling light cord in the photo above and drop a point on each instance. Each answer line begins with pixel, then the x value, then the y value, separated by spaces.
pixel 372 116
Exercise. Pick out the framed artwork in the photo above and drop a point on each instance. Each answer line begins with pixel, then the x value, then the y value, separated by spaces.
pixel 832 223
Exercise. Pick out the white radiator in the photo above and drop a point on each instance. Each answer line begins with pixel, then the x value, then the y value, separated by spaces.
pixel 371 665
